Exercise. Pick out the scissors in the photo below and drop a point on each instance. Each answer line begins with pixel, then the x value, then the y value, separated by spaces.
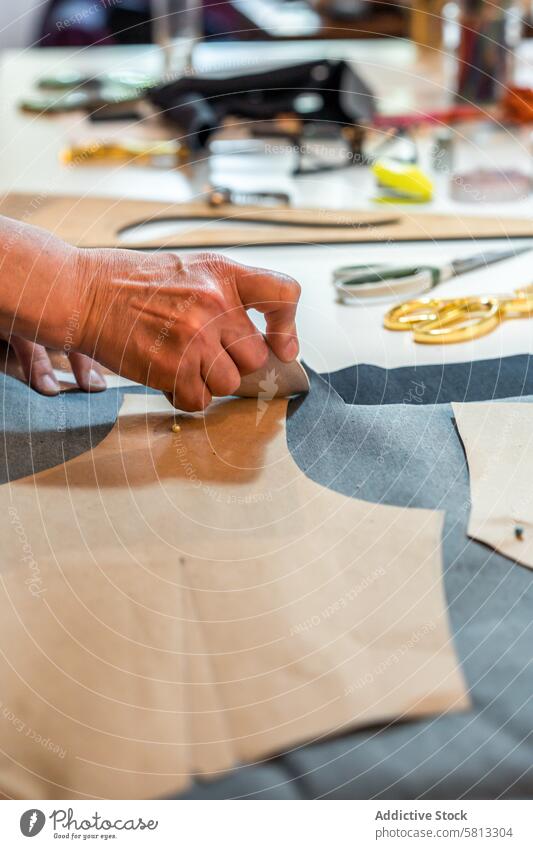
pixel 443 321
pixel 381 282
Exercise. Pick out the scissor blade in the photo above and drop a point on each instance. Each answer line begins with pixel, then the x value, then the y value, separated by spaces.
pixel 470 263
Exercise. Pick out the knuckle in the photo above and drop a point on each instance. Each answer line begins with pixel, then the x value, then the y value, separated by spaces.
pixel 39 369
pixel 192 332
pixel 214 299
pixel 210 258
pixel 183 404
pixel 194 401
pixel 225 383
pixel 200 334
pixel 257 357
pixel 204 400
pixel 290 290
pixel 253 355
pixel 189 404
pixel 261 354
pixel 232 383
pixel 212 264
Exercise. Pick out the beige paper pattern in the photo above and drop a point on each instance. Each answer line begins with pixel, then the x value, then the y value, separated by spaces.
pixel 100 222
pixel 178 603
pixel 498 440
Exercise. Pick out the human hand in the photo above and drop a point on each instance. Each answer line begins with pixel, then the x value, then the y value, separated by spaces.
pixel 39 294
pixel 179 324
pixel 38 371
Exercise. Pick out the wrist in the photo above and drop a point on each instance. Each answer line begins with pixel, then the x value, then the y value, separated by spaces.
pixel 92 276
pixel 38 292
pixel 101 274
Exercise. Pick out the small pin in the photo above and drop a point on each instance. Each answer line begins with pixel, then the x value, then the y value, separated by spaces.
pixel 176 428
pixel 519 532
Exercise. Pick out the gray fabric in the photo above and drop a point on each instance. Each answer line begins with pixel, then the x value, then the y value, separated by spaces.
pixel 270 780
pixel 40 432
pixel 406 454
pixel 411 455
pixel 478 380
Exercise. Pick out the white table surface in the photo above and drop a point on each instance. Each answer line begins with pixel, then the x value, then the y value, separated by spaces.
pixel 332 335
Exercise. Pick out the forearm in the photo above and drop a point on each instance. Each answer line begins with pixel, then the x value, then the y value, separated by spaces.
pixel 176 324
pixel 39 296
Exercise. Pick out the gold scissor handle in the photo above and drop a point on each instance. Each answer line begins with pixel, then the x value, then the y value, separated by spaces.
pixel 472 318
pixel 518 306
pixel 445 321
pixel 411 314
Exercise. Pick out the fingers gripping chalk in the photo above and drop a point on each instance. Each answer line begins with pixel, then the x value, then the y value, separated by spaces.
pixel 275 379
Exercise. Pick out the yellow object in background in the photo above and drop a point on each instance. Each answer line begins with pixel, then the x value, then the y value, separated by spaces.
pixel 166 153
pixel 434 321
pixel 402 182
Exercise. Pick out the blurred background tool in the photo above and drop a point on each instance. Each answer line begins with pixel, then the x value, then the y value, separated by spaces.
pixel 175 24
pixel 491 164
pixel 326 92
pixel 395 167
pixel 318 146
pixel 167 153
pixel 489 185
pixel 517 103
pixel 131 21
pixel 70 91
pixel 73 100
pixel 482 36
pixel 251 171
pixel 401 182
pixel 446 115
pixel 397 143
pixel 382 282
pixel 220 196
pixel 442 150
pixel 72 79
pixel 435 321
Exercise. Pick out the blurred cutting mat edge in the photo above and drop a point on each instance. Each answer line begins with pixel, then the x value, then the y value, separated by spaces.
pixel 104 221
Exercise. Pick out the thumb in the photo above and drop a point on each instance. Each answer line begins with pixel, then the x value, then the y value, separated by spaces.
pixel 276 296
